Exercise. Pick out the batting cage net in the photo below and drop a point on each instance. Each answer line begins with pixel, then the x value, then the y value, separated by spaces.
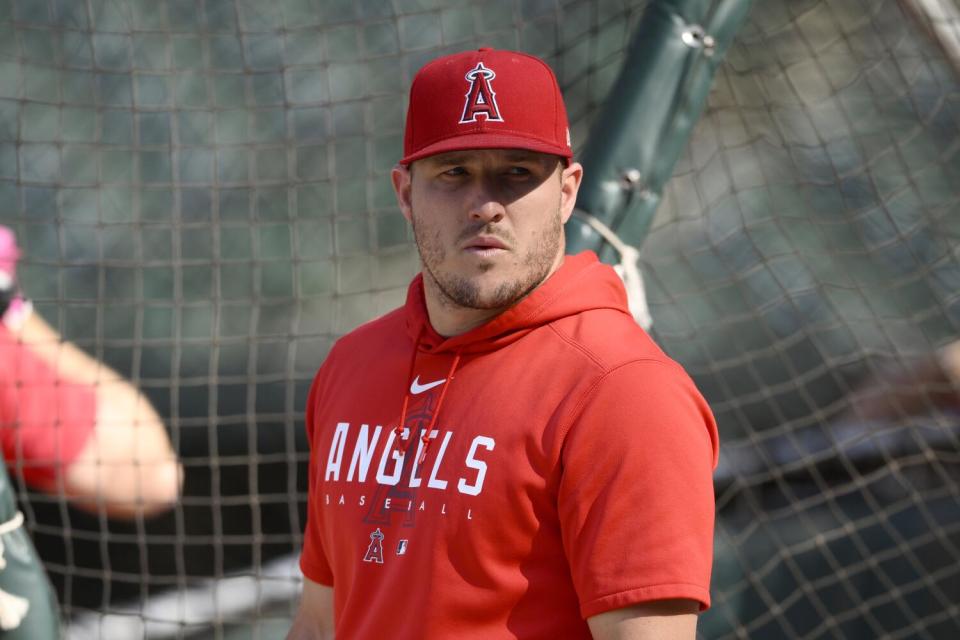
pixel 201 192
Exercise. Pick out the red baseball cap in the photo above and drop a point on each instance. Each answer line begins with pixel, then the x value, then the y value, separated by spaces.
pixel 485 99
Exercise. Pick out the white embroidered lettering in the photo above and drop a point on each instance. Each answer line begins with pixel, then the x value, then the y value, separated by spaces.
pixel 414 479
pixel 388 452
pixel 363 453
pixel 336 451
pixel 480 466
pixel 434 483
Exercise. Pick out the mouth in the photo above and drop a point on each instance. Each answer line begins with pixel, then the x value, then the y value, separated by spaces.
pixel 485 246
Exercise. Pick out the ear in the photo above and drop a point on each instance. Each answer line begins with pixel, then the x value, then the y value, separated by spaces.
pixel 570 179
pixel 402 186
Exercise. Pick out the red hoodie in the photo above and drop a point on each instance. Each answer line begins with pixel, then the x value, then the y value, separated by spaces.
pixel 568 473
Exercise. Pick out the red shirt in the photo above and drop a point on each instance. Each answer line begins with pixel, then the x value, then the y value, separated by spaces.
pixel 569 471
pixel 44 420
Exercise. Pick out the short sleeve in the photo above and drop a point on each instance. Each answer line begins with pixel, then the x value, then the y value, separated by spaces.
pixel 636 499
pixel 45 421
pixel 313 559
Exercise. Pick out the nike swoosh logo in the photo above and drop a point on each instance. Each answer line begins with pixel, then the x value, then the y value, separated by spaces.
pixel 416 387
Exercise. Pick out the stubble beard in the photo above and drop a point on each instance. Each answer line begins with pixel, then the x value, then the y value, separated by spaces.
pixel 462 291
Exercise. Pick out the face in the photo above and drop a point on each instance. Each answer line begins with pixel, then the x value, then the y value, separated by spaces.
pixel 488 223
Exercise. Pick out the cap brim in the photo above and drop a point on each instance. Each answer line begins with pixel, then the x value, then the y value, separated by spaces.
pixel 487 140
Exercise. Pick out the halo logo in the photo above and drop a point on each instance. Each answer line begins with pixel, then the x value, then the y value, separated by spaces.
pixel 375 550
pixel 481 99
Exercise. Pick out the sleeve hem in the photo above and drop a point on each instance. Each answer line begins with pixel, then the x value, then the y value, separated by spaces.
pixel 316 573
pixel 619 600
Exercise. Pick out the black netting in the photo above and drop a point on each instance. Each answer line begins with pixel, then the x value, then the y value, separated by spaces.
pixel 805 268
pixel 201 189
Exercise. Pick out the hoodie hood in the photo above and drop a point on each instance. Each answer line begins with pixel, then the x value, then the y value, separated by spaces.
pixel 582 283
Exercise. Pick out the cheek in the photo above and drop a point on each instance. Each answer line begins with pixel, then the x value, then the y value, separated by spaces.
pixel 430 209
pixel 433 232
pixel 546 197
pixel 431 227
pixel 538 217
pixel 440 216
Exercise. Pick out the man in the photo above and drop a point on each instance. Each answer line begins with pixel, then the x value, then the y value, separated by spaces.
pixel 71 427
pixel 508 455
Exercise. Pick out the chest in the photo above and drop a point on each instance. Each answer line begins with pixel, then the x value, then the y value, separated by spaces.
pixel 474 440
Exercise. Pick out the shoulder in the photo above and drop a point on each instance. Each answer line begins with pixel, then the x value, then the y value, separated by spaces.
pixel 607 340
pixel 379 342
pixel 630 386
pixel 369 339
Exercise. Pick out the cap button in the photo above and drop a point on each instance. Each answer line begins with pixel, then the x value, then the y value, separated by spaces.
pixel 484 49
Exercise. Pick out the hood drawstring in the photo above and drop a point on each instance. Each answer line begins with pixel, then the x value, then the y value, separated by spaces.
pixel 426 439
pixel 398 430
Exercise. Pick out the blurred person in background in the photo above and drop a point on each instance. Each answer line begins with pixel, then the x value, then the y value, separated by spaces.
pixel 71 427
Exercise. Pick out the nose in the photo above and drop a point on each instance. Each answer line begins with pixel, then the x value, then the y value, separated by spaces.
pixel 490 211
pixel 485 206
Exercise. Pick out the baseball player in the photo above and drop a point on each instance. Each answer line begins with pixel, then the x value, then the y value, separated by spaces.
pixel 72 427
pixel 508 455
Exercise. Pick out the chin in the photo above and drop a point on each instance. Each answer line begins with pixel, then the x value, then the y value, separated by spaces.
pixel 500 292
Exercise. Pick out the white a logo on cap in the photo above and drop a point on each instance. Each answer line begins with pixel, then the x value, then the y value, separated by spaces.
pixel 481 100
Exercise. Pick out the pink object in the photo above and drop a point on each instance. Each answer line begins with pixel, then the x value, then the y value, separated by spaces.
pixel 18 309
pixel 9 253
pixel 45 419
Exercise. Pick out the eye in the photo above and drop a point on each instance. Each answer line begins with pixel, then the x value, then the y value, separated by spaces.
pixel 454 172
pixel 518 171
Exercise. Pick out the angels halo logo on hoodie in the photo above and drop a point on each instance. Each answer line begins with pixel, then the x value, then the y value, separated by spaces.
pixel 375 550
pixel 481 98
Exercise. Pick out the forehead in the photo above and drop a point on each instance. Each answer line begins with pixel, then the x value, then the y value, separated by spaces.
pixel 470 156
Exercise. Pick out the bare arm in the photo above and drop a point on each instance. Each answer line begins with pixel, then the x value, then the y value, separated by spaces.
pixel 913 386
pixel 659 620
pixel 127 467
pixel 314 619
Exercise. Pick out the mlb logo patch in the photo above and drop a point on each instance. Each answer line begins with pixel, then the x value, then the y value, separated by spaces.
pixel 401 547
